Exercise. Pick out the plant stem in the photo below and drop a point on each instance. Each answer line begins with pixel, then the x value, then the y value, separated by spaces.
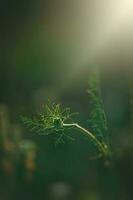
pixel 102 148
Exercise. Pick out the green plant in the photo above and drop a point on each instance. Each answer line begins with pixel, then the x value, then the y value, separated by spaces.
pixel 55 120
pixel 97 119
pixel 52 119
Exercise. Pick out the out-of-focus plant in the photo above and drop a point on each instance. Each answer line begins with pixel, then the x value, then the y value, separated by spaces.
pixel 97 119
pixel 55 120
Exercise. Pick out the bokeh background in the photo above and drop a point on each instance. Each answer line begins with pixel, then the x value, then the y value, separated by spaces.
pixel 46 51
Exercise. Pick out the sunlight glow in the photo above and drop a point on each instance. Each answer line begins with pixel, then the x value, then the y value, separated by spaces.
pixel 116 25
pixel 119 18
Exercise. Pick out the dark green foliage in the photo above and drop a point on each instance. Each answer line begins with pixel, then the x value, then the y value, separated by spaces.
pixel 97 118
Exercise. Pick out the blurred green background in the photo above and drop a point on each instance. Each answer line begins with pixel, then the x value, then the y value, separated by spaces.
pixel 46 52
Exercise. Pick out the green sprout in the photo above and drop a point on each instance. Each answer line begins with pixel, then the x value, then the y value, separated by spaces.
pixel 56 120
pixel 52 120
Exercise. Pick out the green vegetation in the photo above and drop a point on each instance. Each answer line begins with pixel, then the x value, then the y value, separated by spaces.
pixel 55 120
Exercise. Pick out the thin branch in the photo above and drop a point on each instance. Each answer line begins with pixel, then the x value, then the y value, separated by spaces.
pixel 102 148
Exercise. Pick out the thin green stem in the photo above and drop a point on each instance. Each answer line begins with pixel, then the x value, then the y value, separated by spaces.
pixel 101 147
